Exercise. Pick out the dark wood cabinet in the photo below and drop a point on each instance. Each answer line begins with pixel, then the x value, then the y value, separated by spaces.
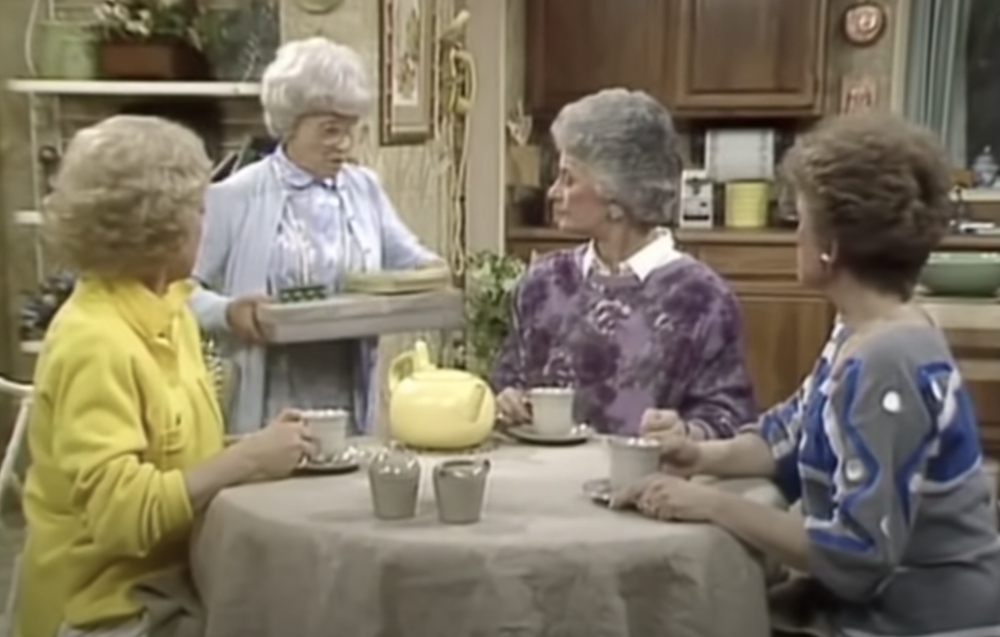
pixel 784 325
pixel 753 57
pixel 704 58
pixel 784 333
pixel 577 47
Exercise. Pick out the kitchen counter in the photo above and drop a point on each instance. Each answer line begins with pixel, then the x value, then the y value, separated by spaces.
pixel 776 236
pixel 726 236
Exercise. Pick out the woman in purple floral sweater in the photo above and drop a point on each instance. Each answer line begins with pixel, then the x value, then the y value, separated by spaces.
pixel 645 334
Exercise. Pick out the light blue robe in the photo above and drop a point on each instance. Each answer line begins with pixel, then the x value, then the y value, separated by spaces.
pixel 242 217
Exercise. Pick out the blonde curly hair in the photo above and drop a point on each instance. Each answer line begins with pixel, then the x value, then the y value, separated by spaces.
pixel 122 194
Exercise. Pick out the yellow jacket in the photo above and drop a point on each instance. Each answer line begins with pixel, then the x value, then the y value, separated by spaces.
pixel 123 404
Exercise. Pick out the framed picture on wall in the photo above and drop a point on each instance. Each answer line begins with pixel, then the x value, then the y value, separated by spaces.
pixel 406 71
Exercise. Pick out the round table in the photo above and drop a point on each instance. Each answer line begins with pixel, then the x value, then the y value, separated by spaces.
pixel 305 557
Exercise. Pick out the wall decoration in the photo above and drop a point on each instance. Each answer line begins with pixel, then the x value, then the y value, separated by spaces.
pixel 858 95
pixel 318 7
pixel 864 23
pixel 406 73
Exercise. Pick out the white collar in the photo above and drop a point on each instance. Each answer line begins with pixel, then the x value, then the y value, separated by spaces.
pixel 658 252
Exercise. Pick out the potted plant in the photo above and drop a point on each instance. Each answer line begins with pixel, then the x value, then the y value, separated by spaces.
pixel 149 40
pixel 40 307
pixel 489 289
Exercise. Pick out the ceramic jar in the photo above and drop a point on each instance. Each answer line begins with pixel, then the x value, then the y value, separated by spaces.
pixel 394 480
pixel 460 490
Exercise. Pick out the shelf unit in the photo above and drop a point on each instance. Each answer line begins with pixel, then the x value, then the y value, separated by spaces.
pixel 28 218
pixel 104 88
pixel 45 97
pixel 32 219
pixel 31 348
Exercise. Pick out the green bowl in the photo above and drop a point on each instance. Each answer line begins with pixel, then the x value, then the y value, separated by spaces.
pixel 965 274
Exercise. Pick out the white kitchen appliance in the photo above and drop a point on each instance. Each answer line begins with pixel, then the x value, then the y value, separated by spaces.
pixel 696 208
pixel 740 154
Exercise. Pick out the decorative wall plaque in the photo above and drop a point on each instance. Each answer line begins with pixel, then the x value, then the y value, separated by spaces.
pixel 858 95
pixel 864 23
pixel 406 76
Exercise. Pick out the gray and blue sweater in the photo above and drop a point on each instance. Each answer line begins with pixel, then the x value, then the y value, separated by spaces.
pixel 882 448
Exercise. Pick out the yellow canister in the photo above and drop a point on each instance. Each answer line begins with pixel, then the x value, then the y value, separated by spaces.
pixel 746 204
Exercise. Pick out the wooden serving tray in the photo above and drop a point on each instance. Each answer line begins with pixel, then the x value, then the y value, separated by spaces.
pixel 346 316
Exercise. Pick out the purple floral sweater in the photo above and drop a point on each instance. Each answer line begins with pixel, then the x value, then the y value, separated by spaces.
pixel 671 341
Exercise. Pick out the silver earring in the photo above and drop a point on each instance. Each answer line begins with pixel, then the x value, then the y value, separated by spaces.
pixel 825 258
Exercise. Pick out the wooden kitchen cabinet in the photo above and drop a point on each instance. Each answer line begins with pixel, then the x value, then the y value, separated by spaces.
pixel 783 334
pixel 752 57
pixel 577 47
pixel 703 58
pixel 784 325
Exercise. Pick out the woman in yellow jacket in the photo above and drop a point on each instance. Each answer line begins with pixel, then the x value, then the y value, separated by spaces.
pixel 125 434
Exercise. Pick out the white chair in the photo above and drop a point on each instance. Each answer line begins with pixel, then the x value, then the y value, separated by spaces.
pixel 10 480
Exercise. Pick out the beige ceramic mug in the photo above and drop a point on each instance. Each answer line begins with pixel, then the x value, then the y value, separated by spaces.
pixel 631 460
pixel 328 428
pixel 551 410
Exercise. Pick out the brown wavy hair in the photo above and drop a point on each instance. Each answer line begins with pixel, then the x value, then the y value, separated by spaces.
pixel 877 190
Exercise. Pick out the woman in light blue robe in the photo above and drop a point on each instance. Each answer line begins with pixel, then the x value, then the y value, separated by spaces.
pixel 300 216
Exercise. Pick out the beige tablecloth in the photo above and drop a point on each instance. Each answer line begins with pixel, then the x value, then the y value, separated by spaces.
pixel 305 558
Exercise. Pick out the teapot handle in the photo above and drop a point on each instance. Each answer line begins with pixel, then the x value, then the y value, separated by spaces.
pixel 480 401
pixel 401 367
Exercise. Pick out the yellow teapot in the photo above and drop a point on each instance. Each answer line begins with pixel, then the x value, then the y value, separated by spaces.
pixel 434 408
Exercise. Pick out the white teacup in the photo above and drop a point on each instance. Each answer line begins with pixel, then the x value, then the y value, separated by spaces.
pixel 630 460
pixel 551 410
pixel 328 427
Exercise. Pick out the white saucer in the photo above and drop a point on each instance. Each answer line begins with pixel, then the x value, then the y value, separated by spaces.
pixel 348 461
pixel 527 433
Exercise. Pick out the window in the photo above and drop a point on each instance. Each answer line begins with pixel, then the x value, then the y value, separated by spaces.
pixel 953 81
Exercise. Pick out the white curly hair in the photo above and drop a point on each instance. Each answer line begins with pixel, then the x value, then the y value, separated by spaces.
pixel 311 76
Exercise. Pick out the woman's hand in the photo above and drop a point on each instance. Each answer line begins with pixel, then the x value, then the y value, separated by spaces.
pixel 679 455
pixel 512 407
pixel 277 449
pixel 669 498
pixel 662 422
pixel 241 315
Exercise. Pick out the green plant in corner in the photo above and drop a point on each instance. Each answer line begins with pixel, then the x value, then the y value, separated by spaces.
pixel 489 289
